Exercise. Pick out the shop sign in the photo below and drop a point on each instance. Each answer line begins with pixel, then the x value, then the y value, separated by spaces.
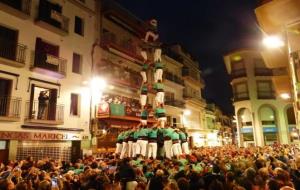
pixel 246 130
pixel 14 135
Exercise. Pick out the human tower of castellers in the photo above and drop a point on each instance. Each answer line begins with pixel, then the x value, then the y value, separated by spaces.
pixel 143 139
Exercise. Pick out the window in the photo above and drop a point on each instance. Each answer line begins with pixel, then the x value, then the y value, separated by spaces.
pixel 76 65
pixel 240 91
pixel 238 68
pixel 79 26
pixel 174 122
pixel 74 108
pixel 265 90
pixel 169 96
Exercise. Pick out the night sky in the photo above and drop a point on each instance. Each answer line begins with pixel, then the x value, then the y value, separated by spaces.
pixel 207 29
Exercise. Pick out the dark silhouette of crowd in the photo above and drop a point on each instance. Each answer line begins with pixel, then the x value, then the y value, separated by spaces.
pixel 274 167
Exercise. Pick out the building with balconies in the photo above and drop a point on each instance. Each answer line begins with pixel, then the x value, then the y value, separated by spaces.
pixel 46 47
pixel 263 115
pixel 194 121
pixel 281 18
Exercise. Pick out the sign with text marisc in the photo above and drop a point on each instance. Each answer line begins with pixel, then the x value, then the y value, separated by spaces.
pixel 38 136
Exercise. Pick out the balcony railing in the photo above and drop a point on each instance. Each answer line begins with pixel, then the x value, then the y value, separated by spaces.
pixel 265 94
pixel 174 78
pixel 13 52
pixel 263 72
pixel 52 19
pixel 10 107
pixel 43 113
pixel 240 96
pixel 175 103
pixel 44 61
pixel 22 6
pixel 238 73
pixel 127 47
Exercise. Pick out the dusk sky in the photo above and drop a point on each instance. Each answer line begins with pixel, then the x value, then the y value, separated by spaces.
pixel 208 30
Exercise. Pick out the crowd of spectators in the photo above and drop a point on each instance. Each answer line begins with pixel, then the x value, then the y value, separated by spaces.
pixel 274 167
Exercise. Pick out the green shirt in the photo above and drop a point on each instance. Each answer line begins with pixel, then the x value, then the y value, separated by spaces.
pixel 120 136
pixel 144 89
pixel 144 114
pixel 126 134
pixel 182 135
pixel 143 132
pixel 159 111
pixel 136 134
pixel 159 65
pixel 145 67
pixel 153 133
pixel 167 132
pixel 158 86
pixel 175 136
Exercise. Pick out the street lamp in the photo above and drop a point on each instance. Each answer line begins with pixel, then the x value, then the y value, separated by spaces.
pixel 187 112
pixel 285 96
pixel 97 86
pixel 273 41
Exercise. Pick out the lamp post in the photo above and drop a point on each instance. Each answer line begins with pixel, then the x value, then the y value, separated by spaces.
pixel 97 86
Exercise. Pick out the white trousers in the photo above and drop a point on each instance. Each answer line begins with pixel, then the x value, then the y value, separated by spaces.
pixel 124 150
pixel 143 100
pixel 158 75
pixel 176 149
pixel 152 150
pixel 160 97
pixel 185 148
pixel 144 122
pixel 144 55
pixel 162 121
pixel 144 76
pixel 168 148
pixel 118 148
pixel 130 148
pixel 143 146
pixel 135 149
pixel 157 55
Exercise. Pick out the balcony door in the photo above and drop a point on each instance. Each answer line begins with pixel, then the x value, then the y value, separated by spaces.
pixel 49 107
pixel 8 41
pixel 5 91
pixel 46 55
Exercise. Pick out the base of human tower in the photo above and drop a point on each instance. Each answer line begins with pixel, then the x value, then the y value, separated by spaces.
pixel 152 142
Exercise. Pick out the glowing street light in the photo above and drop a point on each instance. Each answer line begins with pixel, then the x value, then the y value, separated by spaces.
pixel 285 96
pixel 187 112
pixel 273 42
pixel 98 83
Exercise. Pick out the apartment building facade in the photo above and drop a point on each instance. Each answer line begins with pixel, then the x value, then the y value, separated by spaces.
pixel 280 19
pixel 45 47
pixel 263 115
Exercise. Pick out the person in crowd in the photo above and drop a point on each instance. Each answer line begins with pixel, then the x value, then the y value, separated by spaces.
pixel 167 133
pixel 152 145
pixel 207 168
pixel 184 143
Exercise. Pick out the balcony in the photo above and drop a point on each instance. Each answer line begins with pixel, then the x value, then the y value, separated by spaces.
pixel 10 108
pixel 50 65
pixel 18 8
pixel 127 49
pixel 174 78
pixel 175 103
pixel 240 96
pixel 238 73
pixel 265 94
pixel 263 72
pixel 52 20
pixel 51 113
pixel 191 76
pixel 275 14
pixel 12 54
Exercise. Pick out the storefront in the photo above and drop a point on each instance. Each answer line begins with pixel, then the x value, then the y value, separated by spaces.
pixel 55 145
pixel 247 136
